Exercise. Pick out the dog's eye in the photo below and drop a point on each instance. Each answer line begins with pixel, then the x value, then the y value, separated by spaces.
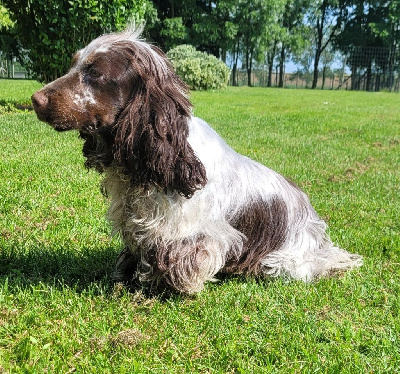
pixel 93 73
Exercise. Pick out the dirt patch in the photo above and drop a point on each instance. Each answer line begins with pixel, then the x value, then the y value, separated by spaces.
pixel 353 171
pixel 129 337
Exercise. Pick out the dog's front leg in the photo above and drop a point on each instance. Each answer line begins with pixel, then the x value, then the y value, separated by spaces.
pixel 126 266
pixel 187 265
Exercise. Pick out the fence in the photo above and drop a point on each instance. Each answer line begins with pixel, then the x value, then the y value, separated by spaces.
pixel 353 68
pixel 259 78
pixel 11 69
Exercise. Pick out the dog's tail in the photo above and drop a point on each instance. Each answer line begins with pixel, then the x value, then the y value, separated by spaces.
pixel 332 259
pixel 310 255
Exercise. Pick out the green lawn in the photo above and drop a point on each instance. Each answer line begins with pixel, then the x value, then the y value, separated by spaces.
pixel 60 312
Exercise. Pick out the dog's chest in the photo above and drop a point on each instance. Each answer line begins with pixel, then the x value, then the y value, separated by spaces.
pixel 134 209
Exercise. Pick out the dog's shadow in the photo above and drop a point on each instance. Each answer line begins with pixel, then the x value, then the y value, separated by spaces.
pixel 59 266
pixel 81 270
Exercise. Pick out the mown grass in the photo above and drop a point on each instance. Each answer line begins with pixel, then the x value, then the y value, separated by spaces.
pixel 60 312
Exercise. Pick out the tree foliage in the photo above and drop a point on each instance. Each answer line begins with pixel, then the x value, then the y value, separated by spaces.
pixel 264 32
pixel 8 41
pixel 370 34
pixel 324 15
pixel 255 18
pixel 5 20
pixel 51 31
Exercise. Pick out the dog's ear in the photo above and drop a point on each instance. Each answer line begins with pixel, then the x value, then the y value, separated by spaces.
pixel 151 133
pixel 97 150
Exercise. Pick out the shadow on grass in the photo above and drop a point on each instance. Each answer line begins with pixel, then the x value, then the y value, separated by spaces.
pixel 77 269
pixel 8 106
pixel 83 270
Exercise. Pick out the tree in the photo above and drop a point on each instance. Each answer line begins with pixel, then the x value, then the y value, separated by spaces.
pixel 240 28
pixel 8 42
pixel 215 28
pixel 5 20
pixel 51 31
pixel 254 18
pixel 304 59
pixel 370 33
pixel 327 57
pixel 171 24
pixel 324 18
pixel 293 34
pixel 208 25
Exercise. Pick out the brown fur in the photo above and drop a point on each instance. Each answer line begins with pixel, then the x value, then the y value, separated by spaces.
pixel 264 233
pixel 150 134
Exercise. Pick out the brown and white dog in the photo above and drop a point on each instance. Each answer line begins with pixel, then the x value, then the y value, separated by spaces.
pixel 186 205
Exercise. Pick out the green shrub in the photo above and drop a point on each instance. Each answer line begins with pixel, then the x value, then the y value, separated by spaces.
pixel 199 70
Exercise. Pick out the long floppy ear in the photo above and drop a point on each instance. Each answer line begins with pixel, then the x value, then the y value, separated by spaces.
pixel 97 150
pixel 151 132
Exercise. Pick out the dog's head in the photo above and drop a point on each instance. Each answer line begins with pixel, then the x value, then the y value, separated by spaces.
pixel 105 77
pixel 126 101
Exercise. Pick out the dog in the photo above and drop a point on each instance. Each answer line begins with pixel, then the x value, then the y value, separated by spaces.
pixel 186 205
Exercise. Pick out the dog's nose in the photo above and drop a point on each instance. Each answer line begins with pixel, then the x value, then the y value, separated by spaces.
pixel 39 100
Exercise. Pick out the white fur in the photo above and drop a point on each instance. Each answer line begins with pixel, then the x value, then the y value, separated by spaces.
pixel 86 97
pixel 308 252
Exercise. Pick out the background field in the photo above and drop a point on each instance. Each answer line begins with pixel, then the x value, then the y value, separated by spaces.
pixel 60 312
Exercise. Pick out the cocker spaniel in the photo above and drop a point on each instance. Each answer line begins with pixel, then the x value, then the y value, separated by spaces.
pixel 186 205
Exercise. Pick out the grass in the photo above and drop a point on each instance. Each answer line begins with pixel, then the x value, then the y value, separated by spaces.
pixel 60 312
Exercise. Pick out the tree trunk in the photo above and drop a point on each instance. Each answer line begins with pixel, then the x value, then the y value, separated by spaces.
pixel 234 74
pixel 249 77
pixel 378 83
pixel 369 76
pixel 9 68
pixel 270 62
pixel 391 70
pixel 316 63
pixel 353 78
pixel 223 55
pixel 281 67
pixel 235 64
pixel 323 77
pixel 319 49
pixel 249 61
pixel 270 68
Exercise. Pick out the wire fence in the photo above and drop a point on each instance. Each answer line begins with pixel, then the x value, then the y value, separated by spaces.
pixel 352 68
pixel 13 70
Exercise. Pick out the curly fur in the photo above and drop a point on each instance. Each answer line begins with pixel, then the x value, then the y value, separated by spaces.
pixel 185 204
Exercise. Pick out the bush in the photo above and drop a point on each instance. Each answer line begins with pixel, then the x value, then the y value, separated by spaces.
pixel 199 70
